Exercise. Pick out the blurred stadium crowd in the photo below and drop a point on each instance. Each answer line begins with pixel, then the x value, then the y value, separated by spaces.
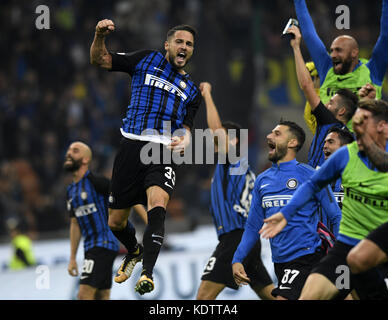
pixel 50 95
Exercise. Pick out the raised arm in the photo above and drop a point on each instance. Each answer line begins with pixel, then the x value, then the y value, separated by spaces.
pixel 378 63
pixel 314 44
pixel 99 55
pixel 367 91
pixel 213 118
pixel 303 75
pixel 378 157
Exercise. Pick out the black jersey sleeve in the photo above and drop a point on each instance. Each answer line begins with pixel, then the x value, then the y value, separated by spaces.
pixel 192 109
pixel 69 207
pixel 126 62
pixel 101 184
pixel 324 115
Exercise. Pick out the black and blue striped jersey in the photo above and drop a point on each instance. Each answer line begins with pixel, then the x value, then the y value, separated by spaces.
pixel 230 197
pixel 87 201
pixel 325 121
pixel 159 93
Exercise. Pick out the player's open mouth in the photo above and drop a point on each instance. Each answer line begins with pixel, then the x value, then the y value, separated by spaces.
pixel 181 56
pixel 68 159
pixel 337 64
pixel 327 153
pixel 271 146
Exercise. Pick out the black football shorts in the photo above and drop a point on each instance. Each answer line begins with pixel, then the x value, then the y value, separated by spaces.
pixel 379 237
pixel 97 268
pixel 293 274
pixel 219 266
pixel 132 174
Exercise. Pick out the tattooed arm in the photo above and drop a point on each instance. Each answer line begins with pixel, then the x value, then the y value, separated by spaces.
pixel 99 55
pixel 378 157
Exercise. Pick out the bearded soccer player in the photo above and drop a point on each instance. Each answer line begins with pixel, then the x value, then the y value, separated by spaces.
pixel 342 67
pixel 163 100
pixel 337 112
pixel 87 202
pixel 373 250
pixel 298 248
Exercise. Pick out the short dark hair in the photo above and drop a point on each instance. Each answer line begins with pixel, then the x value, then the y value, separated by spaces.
pixel 344 134
pixel 349 100
pixel 378 108
pixel 184 27
pixel 296 131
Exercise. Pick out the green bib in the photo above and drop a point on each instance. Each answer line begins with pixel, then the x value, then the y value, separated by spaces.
pixel 352 81
pixel 365 203
pixel 24 243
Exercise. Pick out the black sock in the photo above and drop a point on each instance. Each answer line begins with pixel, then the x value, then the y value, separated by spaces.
pixel 153 239
pixel 127 237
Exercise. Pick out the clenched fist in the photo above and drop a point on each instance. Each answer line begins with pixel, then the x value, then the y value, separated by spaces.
pixel 367 91
pixel 205 87
pixel 104 27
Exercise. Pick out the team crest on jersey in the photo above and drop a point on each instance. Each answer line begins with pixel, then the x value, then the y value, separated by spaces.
pixel 111 199
pixel 68 203
pixel 182 84
pixel 292 183
pixel 84 195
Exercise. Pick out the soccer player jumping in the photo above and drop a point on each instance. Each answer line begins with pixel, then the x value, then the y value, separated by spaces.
pixel 161 92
